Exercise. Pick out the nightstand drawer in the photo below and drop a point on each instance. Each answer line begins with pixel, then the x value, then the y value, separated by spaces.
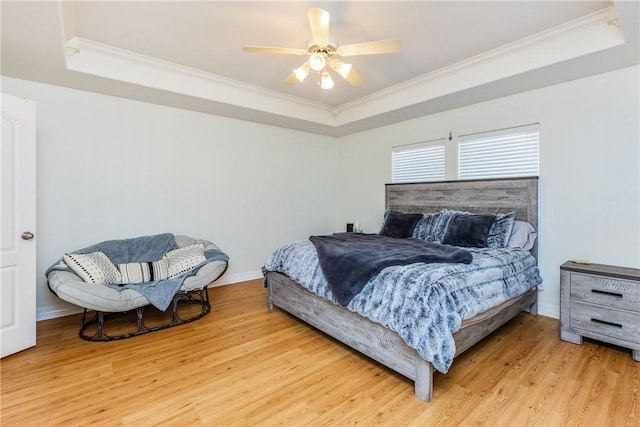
pixel 606 291
pixel 607 322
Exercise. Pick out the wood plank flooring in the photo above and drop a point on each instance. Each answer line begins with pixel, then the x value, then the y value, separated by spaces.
pixel 243 365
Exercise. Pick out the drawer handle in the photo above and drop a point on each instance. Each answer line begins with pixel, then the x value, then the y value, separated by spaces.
pixel 611 294
pixel 604 322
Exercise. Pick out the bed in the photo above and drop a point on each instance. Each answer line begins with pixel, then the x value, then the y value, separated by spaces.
pixel 385 345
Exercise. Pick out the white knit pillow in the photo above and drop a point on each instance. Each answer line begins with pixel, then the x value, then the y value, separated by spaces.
pixel 184 259
pixel 94 267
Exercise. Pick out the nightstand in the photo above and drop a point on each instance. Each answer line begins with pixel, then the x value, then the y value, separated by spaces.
pixel 601 302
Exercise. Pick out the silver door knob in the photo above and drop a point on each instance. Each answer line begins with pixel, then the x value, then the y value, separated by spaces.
pixel 27 235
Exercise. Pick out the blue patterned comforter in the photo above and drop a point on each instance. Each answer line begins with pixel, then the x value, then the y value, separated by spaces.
pixel 424 303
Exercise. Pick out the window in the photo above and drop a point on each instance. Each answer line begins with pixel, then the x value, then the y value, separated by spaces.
pixel 418 162
pixel 504 153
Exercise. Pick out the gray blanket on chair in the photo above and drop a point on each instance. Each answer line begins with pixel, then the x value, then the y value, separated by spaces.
pixel 349 261
pixel 137 249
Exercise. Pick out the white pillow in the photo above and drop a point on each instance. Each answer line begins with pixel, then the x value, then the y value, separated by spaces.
pixel 523 236
pixel 184 259
pixel 94 267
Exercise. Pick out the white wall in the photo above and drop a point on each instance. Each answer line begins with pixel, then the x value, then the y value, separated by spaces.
pixel 114 168
pixel 589 168
pixel 110 168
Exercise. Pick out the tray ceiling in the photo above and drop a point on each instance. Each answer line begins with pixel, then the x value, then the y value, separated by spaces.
pixel 188 54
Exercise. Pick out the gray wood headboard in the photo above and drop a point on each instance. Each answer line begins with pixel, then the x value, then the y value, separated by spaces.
pixel 481 196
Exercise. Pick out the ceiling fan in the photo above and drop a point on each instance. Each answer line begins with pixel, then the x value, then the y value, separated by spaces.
pixel 322 51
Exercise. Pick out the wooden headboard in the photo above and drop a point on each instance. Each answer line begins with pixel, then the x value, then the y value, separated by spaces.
pixel 481 196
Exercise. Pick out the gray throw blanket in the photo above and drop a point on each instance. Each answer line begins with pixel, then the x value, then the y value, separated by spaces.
pixel 143 249
pixel 348 261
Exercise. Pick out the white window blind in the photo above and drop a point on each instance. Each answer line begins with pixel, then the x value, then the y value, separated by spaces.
pixel 498 154
pixel 418 162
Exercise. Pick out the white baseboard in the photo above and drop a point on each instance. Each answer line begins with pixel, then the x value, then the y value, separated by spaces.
pixel 549 311
pixel 52 312
pixel 229 279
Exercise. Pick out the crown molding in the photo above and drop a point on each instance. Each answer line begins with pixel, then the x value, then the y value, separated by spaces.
pixel 583 36
pixel 87 56
pixel 589 34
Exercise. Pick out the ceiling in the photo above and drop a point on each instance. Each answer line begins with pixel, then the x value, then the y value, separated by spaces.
pixel 187 54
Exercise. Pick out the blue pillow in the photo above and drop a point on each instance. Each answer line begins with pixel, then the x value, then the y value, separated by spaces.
pixel 470 231
pixel 399 225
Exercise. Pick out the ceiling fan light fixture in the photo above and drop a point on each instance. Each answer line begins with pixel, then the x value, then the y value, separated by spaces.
pixel 341 68
pixel 302 72
pixel 317 61
pixel 326 82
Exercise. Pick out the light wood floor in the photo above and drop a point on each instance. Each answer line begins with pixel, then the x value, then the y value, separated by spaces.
pixel 244 365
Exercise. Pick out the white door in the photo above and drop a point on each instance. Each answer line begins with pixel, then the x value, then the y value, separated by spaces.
pixel 17 242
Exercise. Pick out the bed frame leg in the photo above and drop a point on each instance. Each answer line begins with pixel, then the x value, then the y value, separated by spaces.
pixel 533 309
pixel 424 380
pixel 269 303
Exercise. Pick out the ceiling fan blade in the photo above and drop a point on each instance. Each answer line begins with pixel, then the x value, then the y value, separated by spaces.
pixel 267 49
pixel 347 72
pixel 292 79
pixel 370 48
pixel 319 22
pixel 354 78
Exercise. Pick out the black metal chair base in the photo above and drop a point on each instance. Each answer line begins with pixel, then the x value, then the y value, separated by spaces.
pixel 199 297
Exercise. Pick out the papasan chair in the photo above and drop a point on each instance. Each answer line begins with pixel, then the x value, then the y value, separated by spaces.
pixel 147 274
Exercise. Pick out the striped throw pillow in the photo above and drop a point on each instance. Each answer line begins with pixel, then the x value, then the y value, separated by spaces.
pixel 140 272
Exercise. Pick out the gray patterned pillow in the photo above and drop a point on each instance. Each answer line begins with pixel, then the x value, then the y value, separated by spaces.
pixel 385 215
pixel 425 228
pixel 501 230
pixel 441 224
pixel 184 259
pixel 94 267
